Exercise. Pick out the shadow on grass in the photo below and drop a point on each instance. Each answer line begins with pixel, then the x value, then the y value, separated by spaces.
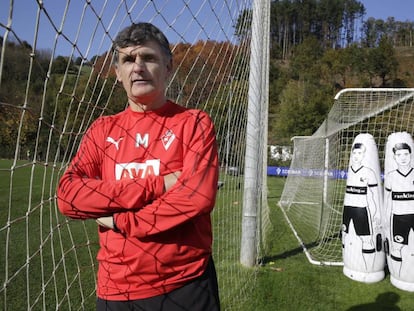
pixel 287 254
pixel 385 301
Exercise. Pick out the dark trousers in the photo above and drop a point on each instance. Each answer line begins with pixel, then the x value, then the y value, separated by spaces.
pixel 200 294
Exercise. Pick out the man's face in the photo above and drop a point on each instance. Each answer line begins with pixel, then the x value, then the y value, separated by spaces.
pixel 402 157
pixel 143 71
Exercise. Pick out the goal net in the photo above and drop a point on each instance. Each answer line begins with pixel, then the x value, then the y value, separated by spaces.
pixel 56 78
pixel 312 199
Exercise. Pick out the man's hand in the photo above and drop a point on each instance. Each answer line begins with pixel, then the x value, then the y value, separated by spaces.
pixel 107 222
pixel 170 179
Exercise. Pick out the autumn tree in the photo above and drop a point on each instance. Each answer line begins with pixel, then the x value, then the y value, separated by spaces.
pixel 201 68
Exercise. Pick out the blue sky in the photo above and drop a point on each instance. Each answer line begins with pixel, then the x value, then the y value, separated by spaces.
pixel 94 37
pixel 174 17
pixel 402 10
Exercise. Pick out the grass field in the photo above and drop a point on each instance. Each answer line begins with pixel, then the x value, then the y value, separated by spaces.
pixel 42 265
pixel 48 260
pixel 287 281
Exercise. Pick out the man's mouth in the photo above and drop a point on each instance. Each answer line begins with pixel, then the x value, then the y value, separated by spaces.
pixel 139 81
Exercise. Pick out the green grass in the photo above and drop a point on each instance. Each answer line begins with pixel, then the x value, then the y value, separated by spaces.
pixel 234 279
pixel 44 257
pixel 48 260
pixel 285 281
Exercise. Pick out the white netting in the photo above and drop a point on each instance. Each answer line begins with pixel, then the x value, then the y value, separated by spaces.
pixel 312 198
pixel 55 79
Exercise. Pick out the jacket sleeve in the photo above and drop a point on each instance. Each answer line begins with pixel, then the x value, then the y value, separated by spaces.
pixel 81 193
pixel 193 194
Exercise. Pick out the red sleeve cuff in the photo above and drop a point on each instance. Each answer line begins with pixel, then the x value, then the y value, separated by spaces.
pixel 159 186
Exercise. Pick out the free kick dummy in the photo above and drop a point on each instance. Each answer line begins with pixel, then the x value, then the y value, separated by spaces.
pixel 363 254
pixel 399 209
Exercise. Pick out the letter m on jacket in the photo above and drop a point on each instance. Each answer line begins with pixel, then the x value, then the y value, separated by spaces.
pixel 141 141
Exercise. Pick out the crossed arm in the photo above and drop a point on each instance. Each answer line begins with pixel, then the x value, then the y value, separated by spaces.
pixel 108 221
pixel 142 207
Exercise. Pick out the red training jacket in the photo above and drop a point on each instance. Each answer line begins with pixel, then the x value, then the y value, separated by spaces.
pixel 164 239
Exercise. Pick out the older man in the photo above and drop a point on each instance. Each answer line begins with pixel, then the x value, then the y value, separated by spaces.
pixel 148 175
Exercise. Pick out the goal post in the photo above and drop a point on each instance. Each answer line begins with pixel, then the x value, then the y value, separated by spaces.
pixel 256 136
pixel 312 198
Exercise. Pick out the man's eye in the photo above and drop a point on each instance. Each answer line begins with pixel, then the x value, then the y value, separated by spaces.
pixel 129 59
pixel 148 58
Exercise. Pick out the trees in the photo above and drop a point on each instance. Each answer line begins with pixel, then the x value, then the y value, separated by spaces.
pixel 334 24
pixel 241 28
pixel 353 11
pixel 399 33
pixel 292 21
pixel 201 69
pixel 316 52
pixel 381 62
pixel 303 106
pixel 57 86
pixel 305 59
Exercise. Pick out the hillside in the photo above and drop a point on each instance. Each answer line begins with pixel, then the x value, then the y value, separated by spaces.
pixel 405 57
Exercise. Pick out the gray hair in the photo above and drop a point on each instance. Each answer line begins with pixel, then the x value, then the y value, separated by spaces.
pixel 138 34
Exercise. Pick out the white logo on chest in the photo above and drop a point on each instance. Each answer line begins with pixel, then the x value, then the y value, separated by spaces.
pixel 114 142
pixel 137 170
pixel 167 139
pixel 141 141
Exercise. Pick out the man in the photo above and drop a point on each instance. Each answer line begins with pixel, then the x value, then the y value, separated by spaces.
pixel 148 175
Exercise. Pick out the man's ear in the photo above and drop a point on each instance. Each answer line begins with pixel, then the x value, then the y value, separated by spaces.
pixel 170 66
pixel 118 74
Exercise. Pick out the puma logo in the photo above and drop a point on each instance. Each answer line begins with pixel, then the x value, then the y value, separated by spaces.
pixel 114 142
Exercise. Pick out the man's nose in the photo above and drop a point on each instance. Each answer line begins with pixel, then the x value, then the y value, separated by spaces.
pixel 139 64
